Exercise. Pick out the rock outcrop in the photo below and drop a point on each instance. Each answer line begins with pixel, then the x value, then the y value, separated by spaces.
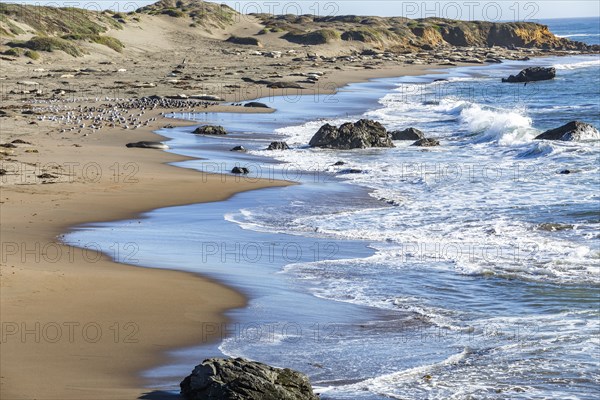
pixel 148 145
pixel 426 143
pixel 278 146
pixel 359 135
pixel 210 130
pixel 407 134
pixel 572 131
pixel 239 379
pixel 532 74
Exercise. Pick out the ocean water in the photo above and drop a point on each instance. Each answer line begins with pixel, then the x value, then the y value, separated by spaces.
pixel 465 271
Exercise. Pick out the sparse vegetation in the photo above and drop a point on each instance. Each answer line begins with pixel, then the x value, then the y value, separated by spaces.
pixel 11 28
pixel 13 52
pixel 107 41
pixel 34 55
pixel 48 21
pixel 48 44
pixel 205 14
pixel 366 35
pixel 321 36
pixel 173 13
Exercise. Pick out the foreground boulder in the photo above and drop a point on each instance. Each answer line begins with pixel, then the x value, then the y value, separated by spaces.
pixel 572 131
pixel 359 135
pixel 238 379
pixel 532 74
pixel 210 130
pixel 407 134
pixel 426 142
pixel 148 145
pixel 278 146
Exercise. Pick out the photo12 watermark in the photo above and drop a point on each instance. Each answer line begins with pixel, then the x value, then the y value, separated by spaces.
pixel 71 332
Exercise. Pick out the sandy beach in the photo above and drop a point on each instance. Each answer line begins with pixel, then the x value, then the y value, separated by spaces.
pixel 56 298
pixel 51 291
pixel 76 325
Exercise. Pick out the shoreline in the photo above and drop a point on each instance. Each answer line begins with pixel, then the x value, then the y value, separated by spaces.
pixel 186 181
pixel 32 277
pixel 72 296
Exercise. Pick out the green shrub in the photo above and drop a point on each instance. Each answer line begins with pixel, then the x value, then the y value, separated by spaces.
pixel 34 55
pixel 13 52
pixel 173 13
pixel 109 42
pixel 48 44
pixel 321 36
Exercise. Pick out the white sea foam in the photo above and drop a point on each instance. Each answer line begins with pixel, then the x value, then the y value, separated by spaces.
pixel 580 35
pixel 505 127
pixel 579 65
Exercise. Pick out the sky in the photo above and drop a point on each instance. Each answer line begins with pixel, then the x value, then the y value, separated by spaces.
pixel 497 10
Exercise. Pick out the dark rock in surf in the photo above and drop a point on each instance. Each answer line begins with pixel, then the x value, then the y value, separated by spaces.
pixel 408 134
pixel 241 149
pixel 278 146
pixel 350 171
pixel 426 143
pixel 359 135
pixel 210 130
pixel 571 132
pixel 532 74
pixel 239 379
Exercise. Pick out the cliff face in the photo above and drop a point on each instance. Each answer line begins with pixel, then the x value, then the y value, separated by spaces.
pixel 398 33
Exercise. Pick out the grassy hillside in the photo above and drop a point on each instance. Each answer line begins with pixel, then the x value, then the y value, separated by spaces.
pixel 403 33
pixel 204 14
pixel 50 29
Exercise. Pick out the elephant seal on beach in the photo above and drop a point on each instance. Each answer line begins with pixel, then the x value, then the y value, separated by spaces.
pixel 148 145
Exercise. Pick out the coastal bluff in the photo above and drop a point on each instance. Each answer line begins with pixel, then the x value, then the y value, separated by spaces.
pixel 34 31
